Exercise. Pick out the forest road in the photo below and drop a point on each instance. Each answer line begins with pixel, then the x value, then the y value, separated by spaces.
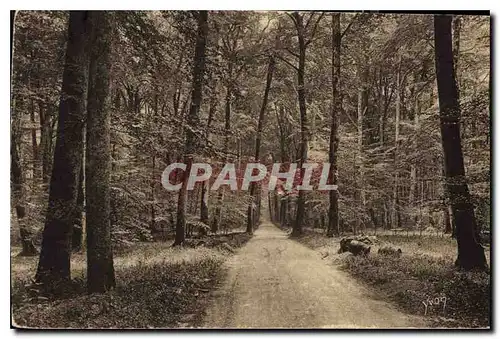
pixel 275 282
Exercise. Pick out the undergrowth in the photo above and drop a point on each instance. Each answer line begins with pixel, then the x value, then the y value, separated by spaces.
pixel 413 280
pixel 423 273
pixel 157 287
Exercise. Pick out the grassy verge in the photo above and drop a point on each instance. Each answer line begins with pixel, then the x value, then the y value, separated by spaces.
pixel 423 273
pixel 157 287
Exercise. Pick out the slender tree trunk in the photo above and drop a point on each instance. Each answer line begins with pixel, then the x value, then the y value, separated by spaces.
pixel 54 264
pixel 227 130
pixel 284 211
pixel 470 252
pixel 100 270
pixel 34 144
pixel 413 165
pixel 456 47
pixel 304 126
pixel 204 217
pixel 447 220
pixel 192 120
pixel 45 142
pixel 277 209
pixel 362 107
pixel 333 212
pixel 395 197
pixel 152 183
pixel 283 135
pixel 251 222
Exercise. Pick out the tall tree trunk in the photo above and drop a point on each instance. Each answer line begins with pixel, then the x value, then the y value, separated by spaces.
pixel 100 270
pixel 413 165
pixel 192 120
pixel 395 196
pixel 282 131
pixel 362 107
pixel 456 47
pixel 54 264
pixel 333 212
pixel 204 217
pixel 470 252
pixel 227 130
pixel 453 225
pixel 447 220
pixel 77 236
pixel 34 143
pixel 251 222
pixel 45 142
pixel 449 223
pixel 304 126
pixel 152 183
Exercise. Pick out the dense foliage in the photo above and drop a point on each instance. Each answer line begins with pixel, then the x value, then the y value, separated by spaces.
pixel 388 90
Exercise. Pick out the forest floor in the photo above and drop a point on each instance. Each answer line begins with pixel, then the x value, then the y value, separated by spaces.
pixel 424 272
pixel 276 282
pixel 157 287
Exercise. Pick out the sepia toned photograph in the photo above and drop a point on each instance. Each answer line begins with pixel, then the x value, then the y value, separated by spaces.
pixel 214 169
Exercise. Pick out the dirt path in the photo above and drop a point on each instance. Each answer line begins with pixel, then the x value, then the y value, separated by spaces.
pixel 275 282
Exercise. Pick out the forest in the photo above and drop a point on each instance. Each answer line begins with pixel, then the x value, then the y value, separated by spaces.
pixel 394 107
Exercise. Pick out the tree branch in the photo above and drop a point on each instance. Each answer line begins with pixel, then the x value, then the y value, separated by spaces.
pixel 288 62
pixel 309 20
pixel 314 28
pixel 291 52
pixel 349 25
pixel 293 18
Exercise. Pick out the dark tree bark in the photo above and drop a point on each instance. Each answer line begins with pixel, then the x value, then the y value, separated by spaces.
pixel 54 264
pixel 470 252
pixel 227 131
pixel 192 121
pixel 456 44
pixel 447 220
pixel 77 237
pixel 446 206
pixel 276 204
pixel 304 126
pixel 396 216
pixel 34 143
pixel 453 228
pixel 283 133
pixel 204 217
pixel 333 212
pixel 12 25
pixel 152 184
pixel 45 142
pixel 100 270
pixel 284 211
pixel 251 215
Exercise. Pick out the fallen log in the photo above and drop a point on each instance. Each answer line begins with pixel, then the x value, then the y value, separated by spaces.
pixel 354 246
